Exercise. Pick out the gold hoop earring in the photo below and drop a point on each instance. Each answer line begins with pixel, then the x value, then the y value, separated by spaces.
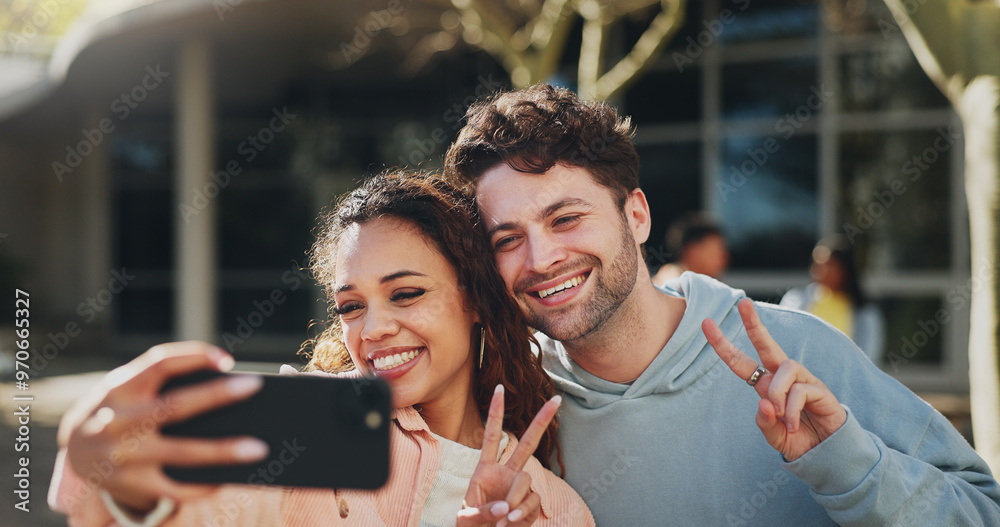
pixel 482 344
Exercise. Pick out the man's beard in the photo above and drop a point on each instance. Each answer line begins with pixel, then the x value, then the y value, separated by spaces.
pixel 612 285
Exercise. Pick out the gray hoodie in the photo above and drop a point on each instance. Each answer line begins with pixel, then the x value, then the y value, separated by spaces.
pixel 679 445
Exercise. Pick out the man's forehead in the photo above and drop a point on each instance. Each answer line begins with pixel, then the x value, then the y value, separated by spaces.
pixel 503 183
pixel 516 208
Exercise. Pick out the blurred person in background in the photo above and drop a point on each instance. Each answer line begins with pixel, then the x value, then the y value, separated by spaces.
pixel 835 295
pixel 697 245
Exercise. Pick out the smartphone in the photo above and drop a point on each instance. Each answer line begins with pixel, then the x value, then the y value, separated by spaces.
pixel 322 432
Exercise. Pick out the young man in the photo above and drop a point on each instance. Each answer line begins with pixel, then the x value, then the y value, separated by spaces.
pixel 655 427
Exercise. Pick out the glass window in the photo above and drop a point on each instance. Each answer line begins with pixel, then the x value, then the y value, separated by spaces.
pixel 914 328
pixel 142 154
pixel 145 310
pixel 262 229
pixel 895 197
pixel 145 228
pixel 666 97
pixel 851 18
pixel 768 199
pixel 283 309
pixel 886 78
pixel 670 176
pixel 262 139
pixel 757 20
pixel 771 88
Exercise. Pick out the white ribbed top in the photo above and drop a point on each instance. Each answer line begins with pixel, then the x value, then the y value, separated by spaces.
pixel 458 462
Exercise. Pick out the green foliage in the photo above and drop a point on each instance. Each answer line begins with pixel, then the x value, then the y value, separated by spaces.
pixel 24 20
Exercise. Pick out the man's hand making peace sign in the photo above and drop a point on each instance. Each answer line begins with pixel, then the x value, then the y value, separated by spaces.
pixel 796 410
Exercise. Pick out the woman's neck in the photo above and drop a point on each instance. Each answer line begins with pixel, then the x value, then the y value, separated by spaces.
pixel 457 421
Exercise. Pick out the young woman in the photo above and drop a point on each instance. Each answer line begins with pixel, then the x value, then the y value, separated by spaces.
pixel 416 300
pixel 835 295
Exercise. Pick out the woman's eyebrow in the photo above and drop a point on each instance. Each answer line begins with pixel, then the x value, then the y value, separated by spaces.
pixel 385 279
pixel 399 274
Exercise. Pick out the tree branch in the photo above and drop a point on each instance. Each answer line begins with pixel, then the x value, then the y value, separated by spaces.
pixel 645 51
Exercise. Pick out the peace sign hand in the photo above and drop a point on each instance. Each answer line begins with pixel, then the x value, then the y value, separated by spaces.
pixel 503 492
pixel 796 411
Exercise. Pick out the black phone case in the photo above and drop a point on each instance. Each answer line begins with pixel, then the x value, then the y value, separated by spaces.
pixel 322 432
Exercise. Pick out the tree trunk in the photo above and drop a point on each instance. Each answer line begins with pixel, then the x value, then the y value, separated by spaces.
pixel 979 108
pixel 956 43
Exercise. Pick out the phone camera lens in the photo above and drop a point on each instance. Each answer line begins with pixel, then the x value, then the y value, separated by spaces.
pixel 373 420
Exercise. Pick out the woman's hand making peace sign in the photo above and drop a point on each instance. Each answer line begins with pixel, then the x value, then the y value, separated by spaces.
pixel 502 492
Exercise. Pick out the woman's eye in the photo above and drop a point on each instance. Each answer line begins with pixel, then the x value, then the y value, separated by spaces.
pixel 347 308
pixel 406 294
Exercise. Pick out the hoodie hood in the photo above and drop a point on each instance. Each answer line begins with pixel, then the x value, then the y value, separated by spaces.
pixel 683 361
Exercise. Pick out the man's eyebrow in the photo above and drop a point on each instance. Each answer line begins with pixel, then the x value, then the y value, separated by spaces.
pixel 545 213
pixel 565 202
pixel 510 225
pixel 385 279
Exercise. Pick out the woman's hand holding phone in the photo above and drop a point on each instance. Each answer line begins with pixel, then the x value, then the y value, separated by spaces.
pixel 113 433
pixel 502 493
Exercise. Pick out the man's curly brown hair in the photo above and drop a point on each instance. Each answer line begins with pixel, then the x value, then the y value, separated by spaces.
pixel 533 129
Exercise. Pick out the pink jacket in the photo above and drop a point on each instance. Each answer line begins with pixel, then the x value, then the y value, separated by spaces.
pixel 415 456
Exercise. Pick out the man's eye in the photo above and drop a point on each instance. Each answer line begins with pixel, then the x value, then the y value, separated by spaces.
pixel 406 294
pixel 565 220
pixel 503 242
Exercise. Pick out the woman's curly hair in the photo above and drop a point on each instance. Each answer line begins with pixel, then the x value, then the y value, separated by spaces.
pixel 449 219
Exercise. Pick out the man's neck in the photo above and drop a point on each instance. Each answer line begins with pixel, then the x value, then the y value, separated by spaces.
pixel 625 345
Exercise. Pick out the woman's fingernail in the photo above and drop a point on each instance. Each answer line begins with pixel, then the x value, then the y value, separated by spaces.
pixel 500 508
pixel 223 360
pixel 244 384
pixel 515 515
pixel 557 399
pixel 250 449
